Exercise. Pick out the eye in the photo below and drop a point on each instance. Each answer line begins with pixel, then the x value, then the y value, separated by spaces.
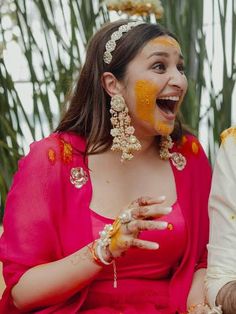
pixel 159 67
pixel 181 68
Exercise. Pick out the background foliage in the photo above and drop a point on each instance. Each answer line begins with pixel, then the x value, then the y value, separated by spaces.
pixel 50 37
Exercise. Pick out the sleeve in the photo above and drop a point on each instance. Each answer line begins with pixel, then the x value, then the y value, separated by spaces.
pixel 30 236
pixel 222 213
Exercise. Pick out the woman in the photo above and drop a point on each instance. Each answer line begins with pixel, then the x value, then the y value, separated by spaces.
pixel 151 211
pixel 221 274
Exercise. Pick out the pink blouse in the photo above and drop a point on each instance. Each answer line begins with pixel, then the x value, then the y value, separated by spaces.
pixel 143 275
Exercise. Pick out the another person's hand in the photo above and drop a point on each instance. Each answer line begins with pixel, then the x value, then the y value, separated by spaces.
pixel 199 309
pixel 137 217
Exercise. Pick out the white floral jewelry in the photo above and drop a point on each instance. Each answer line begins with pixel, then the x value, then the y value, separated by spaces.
pixel 111 44
pixel 122 132
pixel 178 160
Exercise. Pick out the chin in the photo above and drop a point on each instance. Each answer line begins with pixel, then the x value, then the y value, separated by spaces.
pixel 164 129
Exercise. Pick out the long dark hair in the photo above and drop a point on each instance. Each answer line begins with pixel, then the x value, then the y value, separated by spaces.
pixel 88 112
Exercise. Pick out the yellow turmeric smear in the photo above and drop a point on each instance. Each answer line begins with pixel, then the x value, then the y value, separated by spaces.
pixel 163 128
pixel 146 93
pixel 166 41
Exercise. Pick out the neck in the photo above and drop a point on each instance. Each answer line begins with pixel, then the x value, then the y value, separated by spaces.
pixel 148 144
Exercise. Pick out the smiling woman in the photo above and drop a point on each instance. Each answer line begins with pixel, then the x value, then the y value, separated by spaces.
pixel 109 213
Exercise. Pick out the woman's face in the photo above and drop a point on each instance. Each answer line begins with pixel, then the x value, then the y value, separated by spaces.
pixel 154 86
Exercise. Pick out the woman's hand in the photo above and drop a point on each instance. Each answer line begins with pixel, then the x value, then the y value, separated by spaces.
pixel 136 217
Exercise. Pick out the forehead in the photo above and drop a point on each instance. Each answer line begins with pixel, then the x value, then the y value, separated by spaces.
pixel 162 43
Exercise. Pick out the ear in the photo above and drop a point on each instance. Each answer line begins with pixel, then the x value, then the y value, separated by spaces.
pixel 110 84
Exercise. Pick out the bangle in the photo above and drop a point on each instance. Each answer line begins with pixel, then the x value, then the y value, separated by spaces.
pixel 98 250
pixel 93 253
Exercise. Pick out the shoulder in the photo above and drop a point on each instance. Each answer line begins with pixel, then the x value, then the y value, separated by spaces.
pixel 189 146
pixel 57 147
pixel 228 136
pixel 226 156
pixel 196 160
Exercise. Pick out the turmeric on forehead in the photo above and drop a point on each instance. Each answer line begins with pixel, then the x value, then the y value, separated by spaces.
pixel 166 41
pixel 146 93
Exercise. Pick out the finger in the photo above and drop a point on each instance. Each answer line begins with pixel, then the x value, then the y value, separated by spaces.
pixel 150 212
pixel 135 226
pixel 147 200
pixel 147 245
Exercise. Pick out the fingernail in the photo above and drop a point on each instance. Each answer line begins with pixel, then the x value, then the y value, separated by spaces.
pixel 163 224
pixel 162 197
pixel 155 246
pixel 167 210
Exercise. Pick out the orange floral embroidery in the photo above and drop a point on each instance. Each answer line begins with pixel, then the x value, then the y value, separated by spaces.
pixel 51 155
pixel 184 140
pixel 189 146
pixel 66 151
pixel 195 147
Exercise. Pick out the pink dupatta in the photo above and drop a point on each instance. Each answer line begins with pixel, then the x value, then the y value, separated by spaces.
pixel 47 218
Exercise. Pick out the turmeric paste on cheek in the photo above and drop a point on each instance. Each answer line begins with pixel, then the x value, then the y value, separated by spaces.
pixel 146 93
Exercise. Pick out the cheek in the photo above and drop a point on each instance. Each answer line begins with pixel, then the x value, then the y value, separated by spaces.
pixel 146 93
pixel 181 98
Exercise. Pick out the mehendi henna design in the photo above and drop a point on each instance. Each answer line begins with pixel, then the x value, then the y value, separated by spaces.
pixel 81 256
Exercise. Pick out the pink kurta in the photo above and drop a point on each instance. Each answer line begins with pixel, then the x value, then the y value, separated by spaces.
pixel 48 218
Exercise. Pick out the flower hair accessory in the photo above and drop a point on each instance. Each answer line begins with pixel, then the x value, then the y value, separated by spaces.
pixel 111 44
pixel 178 160
pixel 137 7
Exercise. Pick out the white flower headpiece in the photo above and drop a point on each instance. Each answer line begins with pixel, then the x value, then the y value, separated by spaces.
pixel 111 44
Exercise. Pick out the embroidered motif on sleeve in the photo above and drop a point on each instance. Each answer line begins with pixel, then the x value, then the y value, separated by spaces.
pixel 52 156
pixel 60 150
pixel 189 146
pixel 66 151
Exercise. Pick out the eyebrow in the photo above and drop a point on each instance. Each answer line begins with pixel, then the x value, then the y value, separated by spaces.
pixel 163 54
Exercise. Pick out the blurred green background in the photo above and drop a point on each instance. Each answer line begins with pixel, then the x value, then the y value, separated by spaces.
pixel 42 46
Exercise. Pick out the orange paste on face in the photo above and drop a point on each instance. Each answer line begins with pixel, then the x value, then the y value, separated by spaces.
pixel 146 93
pixel 163 128
pixel 166 41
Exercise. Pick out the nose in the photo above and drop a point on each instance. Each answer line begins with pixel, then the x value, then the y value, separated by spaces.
pixel 177 79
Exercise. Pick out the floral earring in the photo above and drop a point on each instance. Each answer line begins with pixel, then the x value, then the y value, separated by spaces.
pixel 178 160
pixel 122 132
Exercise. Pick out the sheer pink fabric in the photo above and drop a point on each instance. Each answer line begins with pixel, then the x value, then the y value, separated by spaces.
pixel 46 217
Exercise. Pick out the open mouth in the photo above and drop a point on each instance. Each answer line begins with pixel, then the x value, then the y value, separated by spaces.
pixel 168 105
